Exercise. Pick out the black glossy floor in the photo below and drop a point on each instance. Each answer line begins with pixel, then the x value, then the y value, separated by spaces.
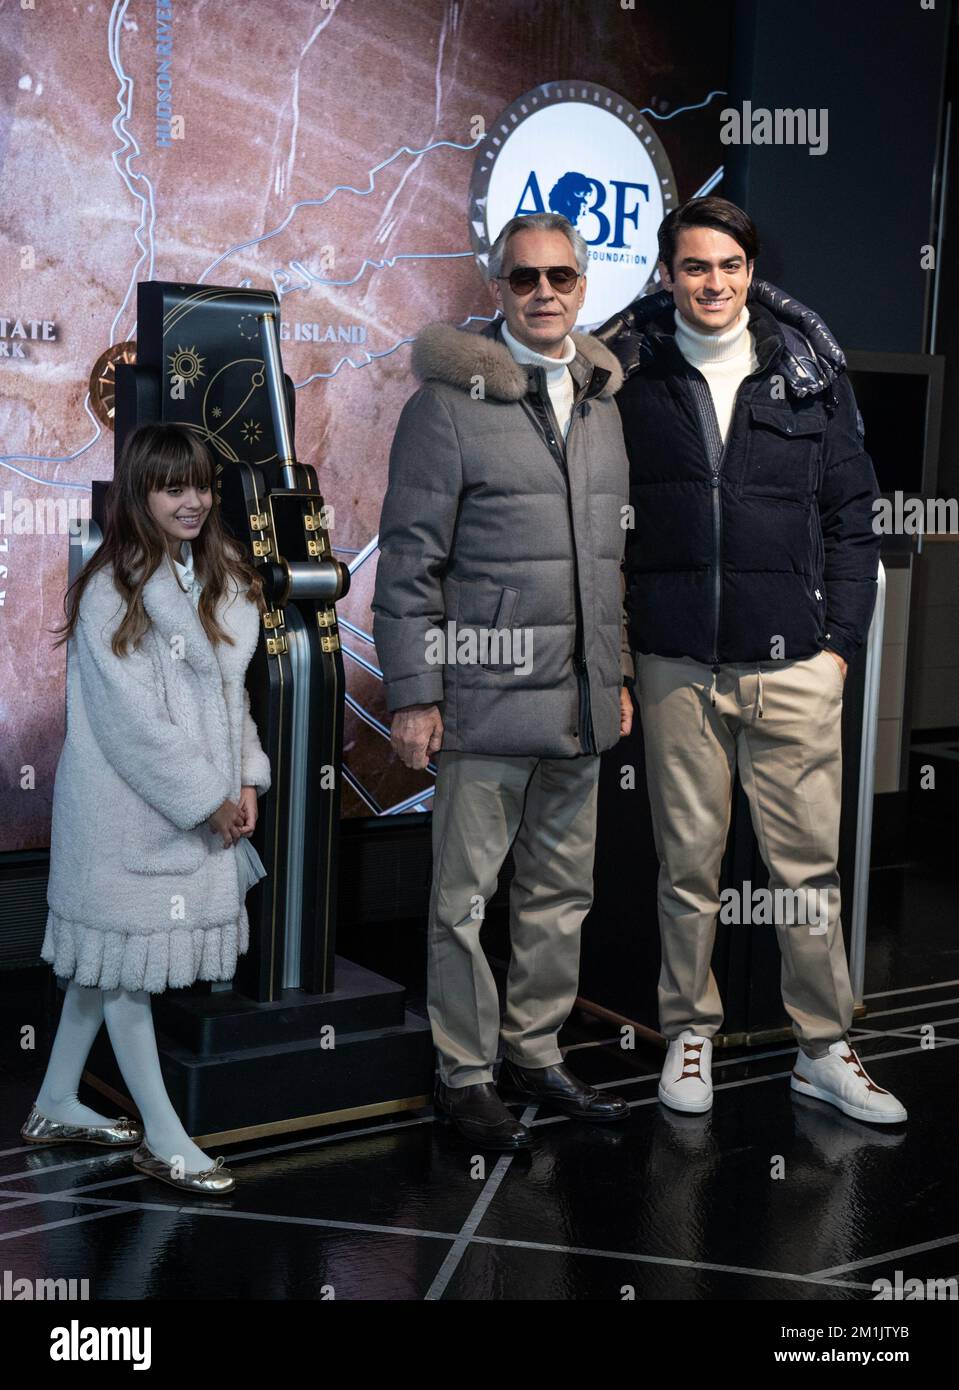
pixel 669 1206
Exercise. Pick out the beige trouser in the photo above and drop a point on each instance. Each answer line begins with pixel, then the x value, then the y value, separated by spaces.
pixel 546 809
pixel 780 722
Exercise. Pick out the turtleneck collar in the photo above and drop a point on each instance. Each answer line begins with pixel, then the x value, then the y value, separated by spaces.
pixel 555 366
pixel 699 347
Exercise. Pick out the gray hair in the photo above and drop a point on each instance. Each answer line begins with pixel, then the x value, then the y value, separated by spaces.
pixel 544 222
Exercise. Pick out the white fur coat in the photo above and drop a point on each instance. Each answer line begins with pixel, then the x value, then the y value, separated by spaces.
pixel 142 895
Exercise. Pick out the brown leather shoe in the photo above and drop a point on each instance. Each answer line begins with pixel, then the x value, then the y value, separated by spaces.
pixel 478 1114
pixel 558 1088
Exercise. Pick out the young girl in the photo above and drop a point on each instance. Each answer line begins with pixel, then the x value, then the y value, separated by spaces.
pixel 156 784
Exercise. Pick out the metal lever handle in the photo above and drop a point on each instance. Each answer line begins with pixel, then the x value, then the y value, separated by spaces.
pixel 326 581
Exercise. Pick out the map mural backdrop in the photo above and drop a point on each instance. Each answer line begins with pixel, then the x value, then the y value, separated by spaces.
pixel 356 157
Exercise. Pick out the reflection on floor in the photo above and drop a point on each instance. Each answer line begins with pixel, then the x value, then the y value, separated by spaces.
pixel 664 1206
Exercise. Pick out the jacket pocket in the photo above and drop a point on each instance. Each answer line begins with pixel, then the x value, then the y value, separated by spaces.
pixel 498 649
pixel 154 845
pixel 782 452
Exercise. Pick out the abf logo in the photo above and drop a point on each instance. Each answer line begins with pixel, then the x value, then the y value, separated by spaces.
pixel 584 151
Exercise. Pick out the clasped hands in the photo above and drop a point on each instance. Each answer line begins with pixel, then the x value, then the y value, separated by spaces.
pixel 235 821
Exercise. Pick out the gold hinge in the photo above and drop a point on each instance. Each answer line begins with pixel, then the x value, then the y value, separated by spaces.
pixel 277 646
pixel 331 643
pixel 274 617
pixel 258 521
pixel 311 522
pixel 261 548
pixel 326 617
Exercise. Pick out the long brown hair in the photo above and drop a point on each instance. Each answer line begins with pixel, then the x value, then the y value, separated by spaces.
pixel 155 457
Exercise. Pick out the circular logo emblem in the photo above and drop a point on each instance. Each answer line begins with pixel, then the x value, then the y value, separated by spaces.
pixel 103 381
pixel 581 150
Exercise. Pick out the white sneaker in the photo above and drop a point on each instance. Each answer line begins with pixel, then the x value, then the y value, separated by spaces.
pixel 686 1083
pixel 840 1078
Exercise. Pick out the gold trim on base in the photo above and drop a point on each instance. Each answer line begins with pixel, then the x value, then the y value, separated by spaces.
pixel 237 1136
pixel 330 1117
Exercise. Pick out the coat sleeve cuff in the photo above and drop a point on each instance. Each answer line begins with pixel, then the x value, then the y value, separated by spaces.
pixel 255 768
pixel 256 771
pixel 424 689
pixel 200 812
pixel 841 645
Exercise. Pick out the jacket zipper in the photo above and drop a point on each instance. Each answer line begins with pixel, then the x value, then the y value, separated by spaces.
pixel 716 454
pixel 555 442
pixel 818 577
pixel 716 451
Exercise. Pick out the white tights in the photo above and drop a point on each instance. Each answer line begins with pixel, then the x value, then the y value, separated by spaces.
pixel 129 1020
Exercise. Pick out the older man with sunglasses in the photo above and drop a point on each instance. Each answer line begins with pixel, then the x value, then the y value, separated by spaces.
pixel 498 620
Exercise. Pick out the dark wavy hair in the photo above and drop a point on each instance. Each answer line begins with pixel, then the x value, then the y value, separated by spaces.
pixel 155 457
pixel 719 213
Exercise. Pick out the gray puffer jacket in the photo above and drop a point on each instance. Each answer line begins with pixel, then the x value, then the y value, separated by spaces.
pixel 492 522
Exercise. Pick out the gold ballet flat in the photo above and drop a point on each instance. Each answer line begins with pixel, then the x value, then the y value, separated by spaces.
pixel 214 1182
pixel 121 1133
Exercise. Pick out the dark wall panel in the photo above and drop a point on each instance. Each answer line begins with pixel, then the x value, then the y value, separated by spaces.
pixel 843 230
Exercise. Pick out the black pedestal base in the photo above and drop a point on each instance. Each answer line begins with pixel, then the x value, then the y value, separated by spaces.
pixel 236 1069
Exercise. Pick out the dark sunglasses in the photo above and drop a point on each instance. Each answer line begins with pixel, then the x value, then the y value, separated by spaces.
pixel 525 278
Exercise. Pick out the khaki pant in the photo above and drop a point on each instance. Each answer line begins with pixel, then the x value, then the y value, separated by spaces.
pixel 546 809
pixel 780 723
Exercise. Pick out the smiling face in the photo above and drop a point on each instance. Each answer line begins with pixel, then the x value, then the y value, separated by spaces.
pixel 710 278
pixel 541 319
pixel 180 511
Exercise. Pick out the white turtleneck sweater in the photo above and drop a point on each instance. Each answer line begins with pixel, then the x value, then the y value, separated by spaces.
pixel 724 359
pixel 559 382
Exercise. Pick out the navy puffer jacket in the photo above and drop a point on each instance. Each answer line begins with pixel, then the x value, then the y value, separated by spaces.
pixel 764 549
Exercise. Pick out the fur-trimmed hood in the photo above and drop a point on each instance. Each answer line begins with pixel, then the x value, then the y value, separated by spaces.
pixel 457 357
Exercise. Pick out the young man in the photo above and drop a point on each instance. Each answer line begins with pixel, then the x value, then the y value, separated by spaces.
pixel 751 573
pixel 502 519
